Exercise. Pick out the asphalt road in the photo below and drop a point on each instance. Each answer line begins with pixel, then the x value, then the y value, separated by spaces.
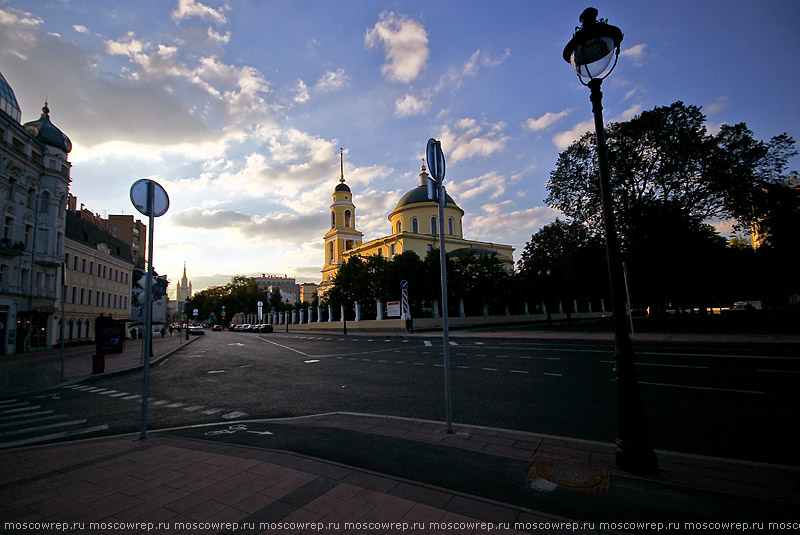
pixel 723 401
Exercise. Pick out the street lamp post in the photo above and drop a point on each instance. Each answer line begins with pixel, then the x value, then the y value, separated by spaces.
pixel 590 51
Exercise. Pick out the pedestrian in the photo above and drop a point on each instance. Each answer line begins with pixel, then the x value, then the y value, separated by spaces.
pixel 170 329
pixel 163 331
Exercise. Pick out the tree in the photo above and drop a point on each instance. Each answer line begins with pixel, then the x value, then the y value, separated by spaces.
pixel 563 261
pixel 665 155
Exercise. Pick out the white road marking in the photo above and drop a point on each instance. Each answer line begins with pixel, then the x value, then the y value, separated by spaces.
pixel 193 408
pixel 489 369
pixel 44 438
pixel 232 415
pixel 24 409
pixel 518 371
pixel 661 365
pixel 212 411
pixel 428 344
pixel 553 374
pixel 778 371
pixel 24 415
pixel 705 388
pixel 42 427
pixel 119 394
pixel 33 420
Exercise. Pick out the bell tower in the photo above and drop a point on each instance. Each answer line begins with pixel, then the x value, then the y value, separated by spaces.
pixel 343 235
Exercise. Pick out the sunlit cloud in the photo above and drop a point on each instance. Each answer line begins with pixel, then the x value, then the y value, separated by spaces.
pixel 192 8
pixel 637 54
pixel 468 139
pixel 405 46
pixel 410 105
pixel 540 123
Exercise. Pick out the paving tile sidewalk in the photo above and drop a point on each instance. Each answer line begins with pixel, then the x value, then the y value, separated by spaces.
pixel 731 476
pixel 175 485
pixel 41 370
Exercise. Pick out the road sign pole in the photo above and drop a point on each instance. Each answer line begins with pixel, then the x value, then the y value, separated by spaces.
pixel 148 308
pixel 436 164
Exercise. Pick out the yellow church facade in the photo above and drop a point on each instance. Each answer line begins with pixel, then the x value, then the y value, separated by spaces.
pixel 414 227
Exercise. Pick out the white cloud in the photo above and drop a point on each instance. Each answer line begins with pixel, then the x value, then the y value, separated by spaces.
pixel 331 81
pixel 301 91
pixel 514 228
pixel 410 105
pixel 488 186
pixel 479 59
pixel 637 54
pixel 80 29
pixel 716 106
pixel 540 123
pixel 405 46
pixel 469 139
pixel 192 8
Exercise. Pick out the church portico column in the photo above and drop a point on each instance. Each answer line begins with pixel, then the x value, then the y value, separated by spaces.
pixel 343 316
pixel 319 314
pixel 302 317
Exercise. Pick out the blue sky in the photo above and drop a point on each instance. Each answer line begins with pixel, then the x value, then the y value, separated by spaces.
pixel 239 107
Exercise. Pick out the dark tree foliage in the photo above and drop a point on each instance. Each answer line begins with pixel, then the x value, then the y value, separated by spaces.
pixel 564 261
pixel 665 155
pixel 669 177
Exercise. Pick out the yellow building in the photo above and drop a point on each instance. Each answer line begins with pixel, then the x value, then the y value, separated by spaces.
pixel 414 227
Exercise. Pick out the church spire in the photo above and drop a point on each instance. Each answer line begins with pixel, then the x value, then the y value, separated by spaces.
pixel 341 165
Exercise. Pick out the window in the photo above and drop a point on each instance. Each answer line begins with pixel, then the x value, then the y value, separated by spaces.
pixel 3 274
pixel 91 268
pixel 434 226
pixel 392 250
pixel 83 295
pixel 8 228
pixel 415 226
pixel 90 297
pixel 74 295
pixel 66 259
pixel 75 264
pixel 330 252
pixel 450 226
pixel 83 266
pixel 430 247
pixel 333 219
pixel 348 219
pixel 399 227
pixel 380 251
pixel 28 236
pixel 44 203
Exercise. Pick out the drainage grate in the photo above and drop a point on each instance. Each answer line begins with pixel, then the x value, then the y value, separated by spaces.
pixel 573 476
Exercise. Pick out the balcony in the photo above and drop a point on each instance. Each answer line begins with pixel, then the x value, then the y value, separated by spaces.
pixel 9 248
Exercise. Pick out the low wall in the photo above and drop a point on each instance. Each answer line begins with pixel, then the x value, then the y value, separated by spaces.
pixel 435 324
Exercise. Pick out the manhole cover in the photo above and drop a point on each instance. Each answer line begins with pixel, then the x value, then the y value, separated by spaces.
pixel 573 476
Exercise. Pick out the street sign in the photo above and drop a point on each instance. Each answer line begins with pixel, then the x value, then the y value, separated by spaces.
pixel 393 309
pixel 404 285
pixel 435 160
pixel 139 193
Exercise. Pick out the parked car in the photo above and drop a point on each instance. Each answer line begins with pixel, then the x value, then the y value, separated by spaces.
pixel 266 328
pixel 197 330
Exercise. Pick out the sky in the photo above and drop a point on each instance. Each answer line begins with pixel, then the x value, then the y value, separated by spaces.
pixel 239 108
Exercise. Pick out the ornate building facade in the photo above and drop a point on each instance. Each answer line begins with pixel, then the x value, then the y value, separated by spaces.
pixel 34 184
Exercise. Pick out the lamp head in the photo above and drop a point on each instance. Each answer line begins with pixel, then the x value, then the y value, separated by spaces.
pixel 592 47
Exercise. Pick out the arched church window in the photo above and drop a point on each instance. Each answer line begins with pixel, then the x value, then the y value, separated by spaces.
pixel 330 252
pixel 434 226
pixel 399 227
pixel 415 226
pixel 333 219
pixel 348 219
pixel 450 226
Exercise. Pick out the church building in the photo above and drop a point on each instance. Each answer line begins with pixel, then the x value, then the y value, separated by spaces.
pixel 414 226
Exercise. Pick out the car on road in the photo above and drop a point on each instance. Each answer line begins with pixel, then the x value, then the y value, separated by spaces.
pixel 266 328
pixel 197 330
pixel 216 327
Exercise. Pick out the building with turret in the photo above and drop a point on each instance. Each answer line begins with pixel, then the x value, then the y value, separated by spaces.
pixel 184 290
pixel 414 226
pixel 34 184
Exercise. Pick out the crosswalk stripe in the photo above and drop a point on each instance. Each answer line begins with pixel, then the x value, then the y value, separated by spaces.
pixel 53 436
pixel 41 427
